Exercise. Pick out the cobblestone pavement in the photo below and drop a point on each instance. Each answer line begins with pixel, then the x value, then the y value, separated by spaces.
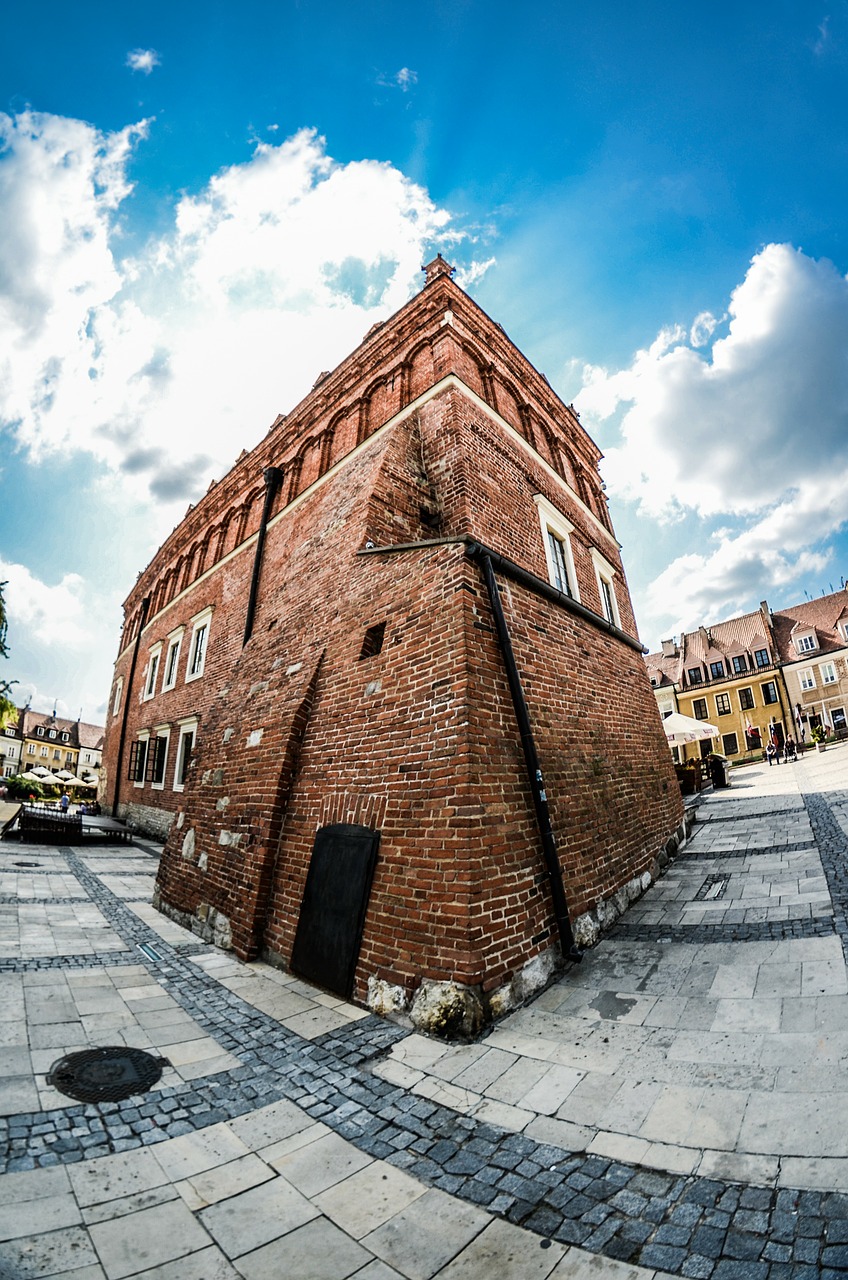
pixel 673 1106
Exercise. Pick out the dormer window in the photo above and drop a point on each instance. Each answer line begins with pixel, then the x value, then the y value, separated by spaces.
pixel 716 670
pixel 740 666
pixel 761 657
pixel 40 731
pixel 695 675
pixel 807 642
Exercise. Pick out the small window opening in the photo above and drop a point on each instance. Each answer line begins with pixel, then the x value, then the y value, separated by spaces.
pixel 373 641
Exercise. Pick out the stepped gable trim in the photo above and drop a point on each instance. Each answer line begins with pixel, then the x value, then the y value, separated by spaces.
pixel 389 348
pixel 450 381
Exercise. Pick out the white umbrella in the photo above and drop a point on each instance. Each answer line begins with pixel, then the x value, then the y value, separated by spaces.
pixel 65 775
pixel 679 728
pixel 42 771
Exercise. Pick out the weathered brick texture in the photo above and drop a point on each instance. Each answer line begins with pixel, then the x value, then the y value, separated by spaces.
pixel 436 431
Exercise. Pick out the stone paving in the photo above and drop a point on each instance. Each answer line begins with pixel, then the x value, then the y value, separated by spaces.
pixel 672 1106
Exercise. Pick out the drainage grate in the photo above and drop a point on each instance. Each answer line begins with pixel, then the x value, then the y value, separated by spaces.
pixel 713 887
pixel 105 1075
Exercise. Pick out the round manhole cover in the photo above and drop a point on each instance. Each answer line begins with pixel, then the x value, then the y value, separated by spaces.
pixel 105 1075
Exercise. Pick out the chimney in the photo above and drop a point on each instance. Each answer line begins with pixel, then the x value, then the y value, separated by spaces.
pixel 669 648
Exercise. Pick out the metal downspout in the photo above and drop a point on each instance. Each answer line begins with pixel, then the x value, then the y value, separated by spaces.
pixel 119 763
pixel 568 946
pixel 272 476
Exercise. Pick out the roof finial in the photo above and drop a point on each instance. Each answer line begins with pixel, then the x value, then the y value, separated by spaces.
pixel 438 267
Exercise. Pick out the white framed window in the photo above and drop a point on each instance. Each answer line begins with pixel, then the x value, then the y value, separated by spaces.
pixel 806 643
pixel 605 575
pixel 45 751
pixel 31 749
pixel 172 659
pixel 808 679
pixel 828 673
pixel 138 759
pixel 198 644
pixel 116 698
pixel 556 539
pixel 159 756
pixel 152 671
pixel 185 746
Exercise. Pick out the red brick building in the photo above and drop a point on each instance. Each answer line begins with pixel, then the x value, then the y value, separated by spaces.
pixel 313 684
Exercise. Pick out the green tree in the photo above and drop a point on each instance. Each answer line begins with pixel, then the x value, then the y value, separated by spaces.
pixel 8 710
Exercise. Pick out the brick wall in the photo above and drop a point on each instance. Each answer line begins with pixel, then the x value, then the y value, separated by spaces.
pixel 435 432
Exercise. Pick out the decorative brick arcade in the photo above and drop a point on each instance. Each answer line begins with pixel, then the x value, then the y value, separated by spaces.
pixel 346 629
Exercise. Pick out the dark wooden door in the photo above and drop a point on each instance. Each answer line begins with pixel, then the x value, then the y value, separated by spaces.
pixel 332 912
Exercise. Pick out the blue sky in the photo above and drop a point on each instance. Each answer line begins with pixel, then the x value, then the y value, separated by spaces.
pixel 204 206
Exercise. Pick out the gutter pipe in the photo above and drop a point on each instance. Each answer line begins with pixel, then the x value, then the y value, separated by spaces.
pixel 119 763
pixel 568 946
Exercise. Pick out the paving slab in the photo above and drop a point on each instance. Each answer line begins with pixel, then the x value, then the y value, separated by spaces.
pixel 664 1109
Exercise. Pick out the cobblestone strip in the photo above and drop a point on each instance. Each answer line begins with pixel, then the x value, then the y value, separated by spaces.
pixel 706 816
pixel 833 850
pixel 682 1225
pixel 753 851
pixel 728 931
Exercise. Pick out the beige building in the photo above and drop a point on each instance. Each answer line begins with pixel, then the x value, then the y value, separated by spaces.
pixel 813 643
pixel 727 674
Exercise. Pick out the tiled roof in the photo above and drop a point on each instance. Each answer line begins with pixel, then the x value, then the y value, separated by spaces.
pixel 744 634
pixel 91 736
pixel 663 670
pixel 820 615
pixel 750 632
pixel 79 734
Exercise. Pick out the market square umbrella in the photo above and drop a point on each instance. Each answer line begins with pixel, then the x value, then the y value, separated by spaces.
pixel 679 729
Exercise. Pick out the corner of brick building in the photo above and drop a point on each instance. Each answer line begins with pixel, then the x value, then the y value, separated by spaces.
pixel 301 729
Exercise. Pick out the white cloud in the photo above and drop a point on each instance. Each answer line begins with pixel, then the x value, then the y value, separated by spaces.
pixel 143 60
pixel 749 432
pixel 160 366
pixel 405 79
pixel 703 328
pixel 165 365
pixel 45 611
pixel 764 409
